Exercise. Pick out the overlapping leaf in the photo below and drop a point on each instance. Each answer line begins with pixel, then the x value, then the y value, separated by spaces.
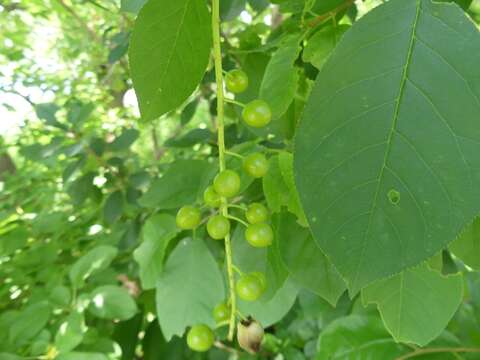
pixel 417 304
pixel 169 52
pixel 188 288
pixel 386 157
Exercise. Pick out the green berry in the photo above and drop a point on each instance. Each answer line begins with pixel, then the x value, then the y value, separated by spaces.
pixel 256 213
pixel 188 218
pixel 259 235
pixel 211 198
pixel 227 183
pixel 256 165
pixel 221 313
pixel 257 113
pixel 249 287
pixel 236 81
pixel 200 338
pixel 218 227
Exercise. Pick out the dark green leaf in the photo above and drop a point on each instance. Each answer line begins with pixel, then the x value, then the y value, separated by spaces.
pixel 189 139
pixel 183 183
pixel 124 141
pixel 386 199
pixel 79 112
pixel 113 208
pixel 231 9
pixel 169 52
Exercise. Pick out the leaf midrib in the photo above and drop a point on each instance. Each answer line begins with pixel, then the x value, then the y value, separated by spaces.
pixel 390 136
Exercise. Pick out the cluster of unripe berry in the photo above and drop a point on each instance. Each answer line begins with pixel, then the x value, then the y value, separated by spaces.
pixel 258 233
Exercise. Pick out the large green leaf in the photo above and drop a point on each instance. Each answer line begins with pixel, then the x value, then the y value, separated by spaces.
pixel 357 338
pixel 182 184
pixel 279 83
pixel 386 157
pixel 92 262
pixel 169 52
pixel 157 233
pixel 417 304
pixel 190 285
pixel 307 265
pixel 467 245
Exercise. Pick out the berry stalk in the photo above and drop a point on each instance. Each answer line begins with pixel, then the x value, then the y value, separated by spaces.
pixel 217 54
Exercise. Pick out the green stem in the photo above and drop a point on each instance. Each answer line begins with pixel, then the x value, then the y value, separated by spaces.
pixel 238 220
pixel 241 207
pixel 231 153
pixel 217 54
pixel 238 271
pixel 231 101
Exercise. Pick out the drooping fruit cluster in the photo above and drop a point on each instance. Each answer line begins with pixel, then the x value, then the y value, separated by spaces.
pixel 224 193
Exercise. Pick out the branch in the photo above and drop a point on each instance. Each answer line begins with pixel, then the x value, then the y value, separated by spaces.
pixel 419 352
pixel 15 92
pixel 321 18
pixel 158 150
pixel 82 23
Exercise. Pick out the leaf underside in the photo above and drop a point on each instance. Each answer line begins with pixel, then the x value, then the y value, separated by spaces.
pixel 386 157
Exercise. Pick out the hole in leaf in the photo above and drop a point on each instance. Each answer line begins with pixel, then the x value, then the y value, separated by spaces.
pixel 394 196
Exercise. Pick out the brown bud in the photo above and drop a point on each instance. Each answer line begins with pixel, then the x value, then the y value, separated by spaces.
pixel 250 335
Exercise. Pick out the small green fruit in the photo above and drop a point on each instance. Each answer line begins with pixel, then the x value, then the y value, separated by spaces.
pixel 259 235
pixel 249 287
pixel 227 183
pixel 188 217
pixel 221 313
pixel 257 113
pixel 211 198
pixel 256 165
pixel 236 81
pixel 218 227
pixel 200 338
pixel 256 213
